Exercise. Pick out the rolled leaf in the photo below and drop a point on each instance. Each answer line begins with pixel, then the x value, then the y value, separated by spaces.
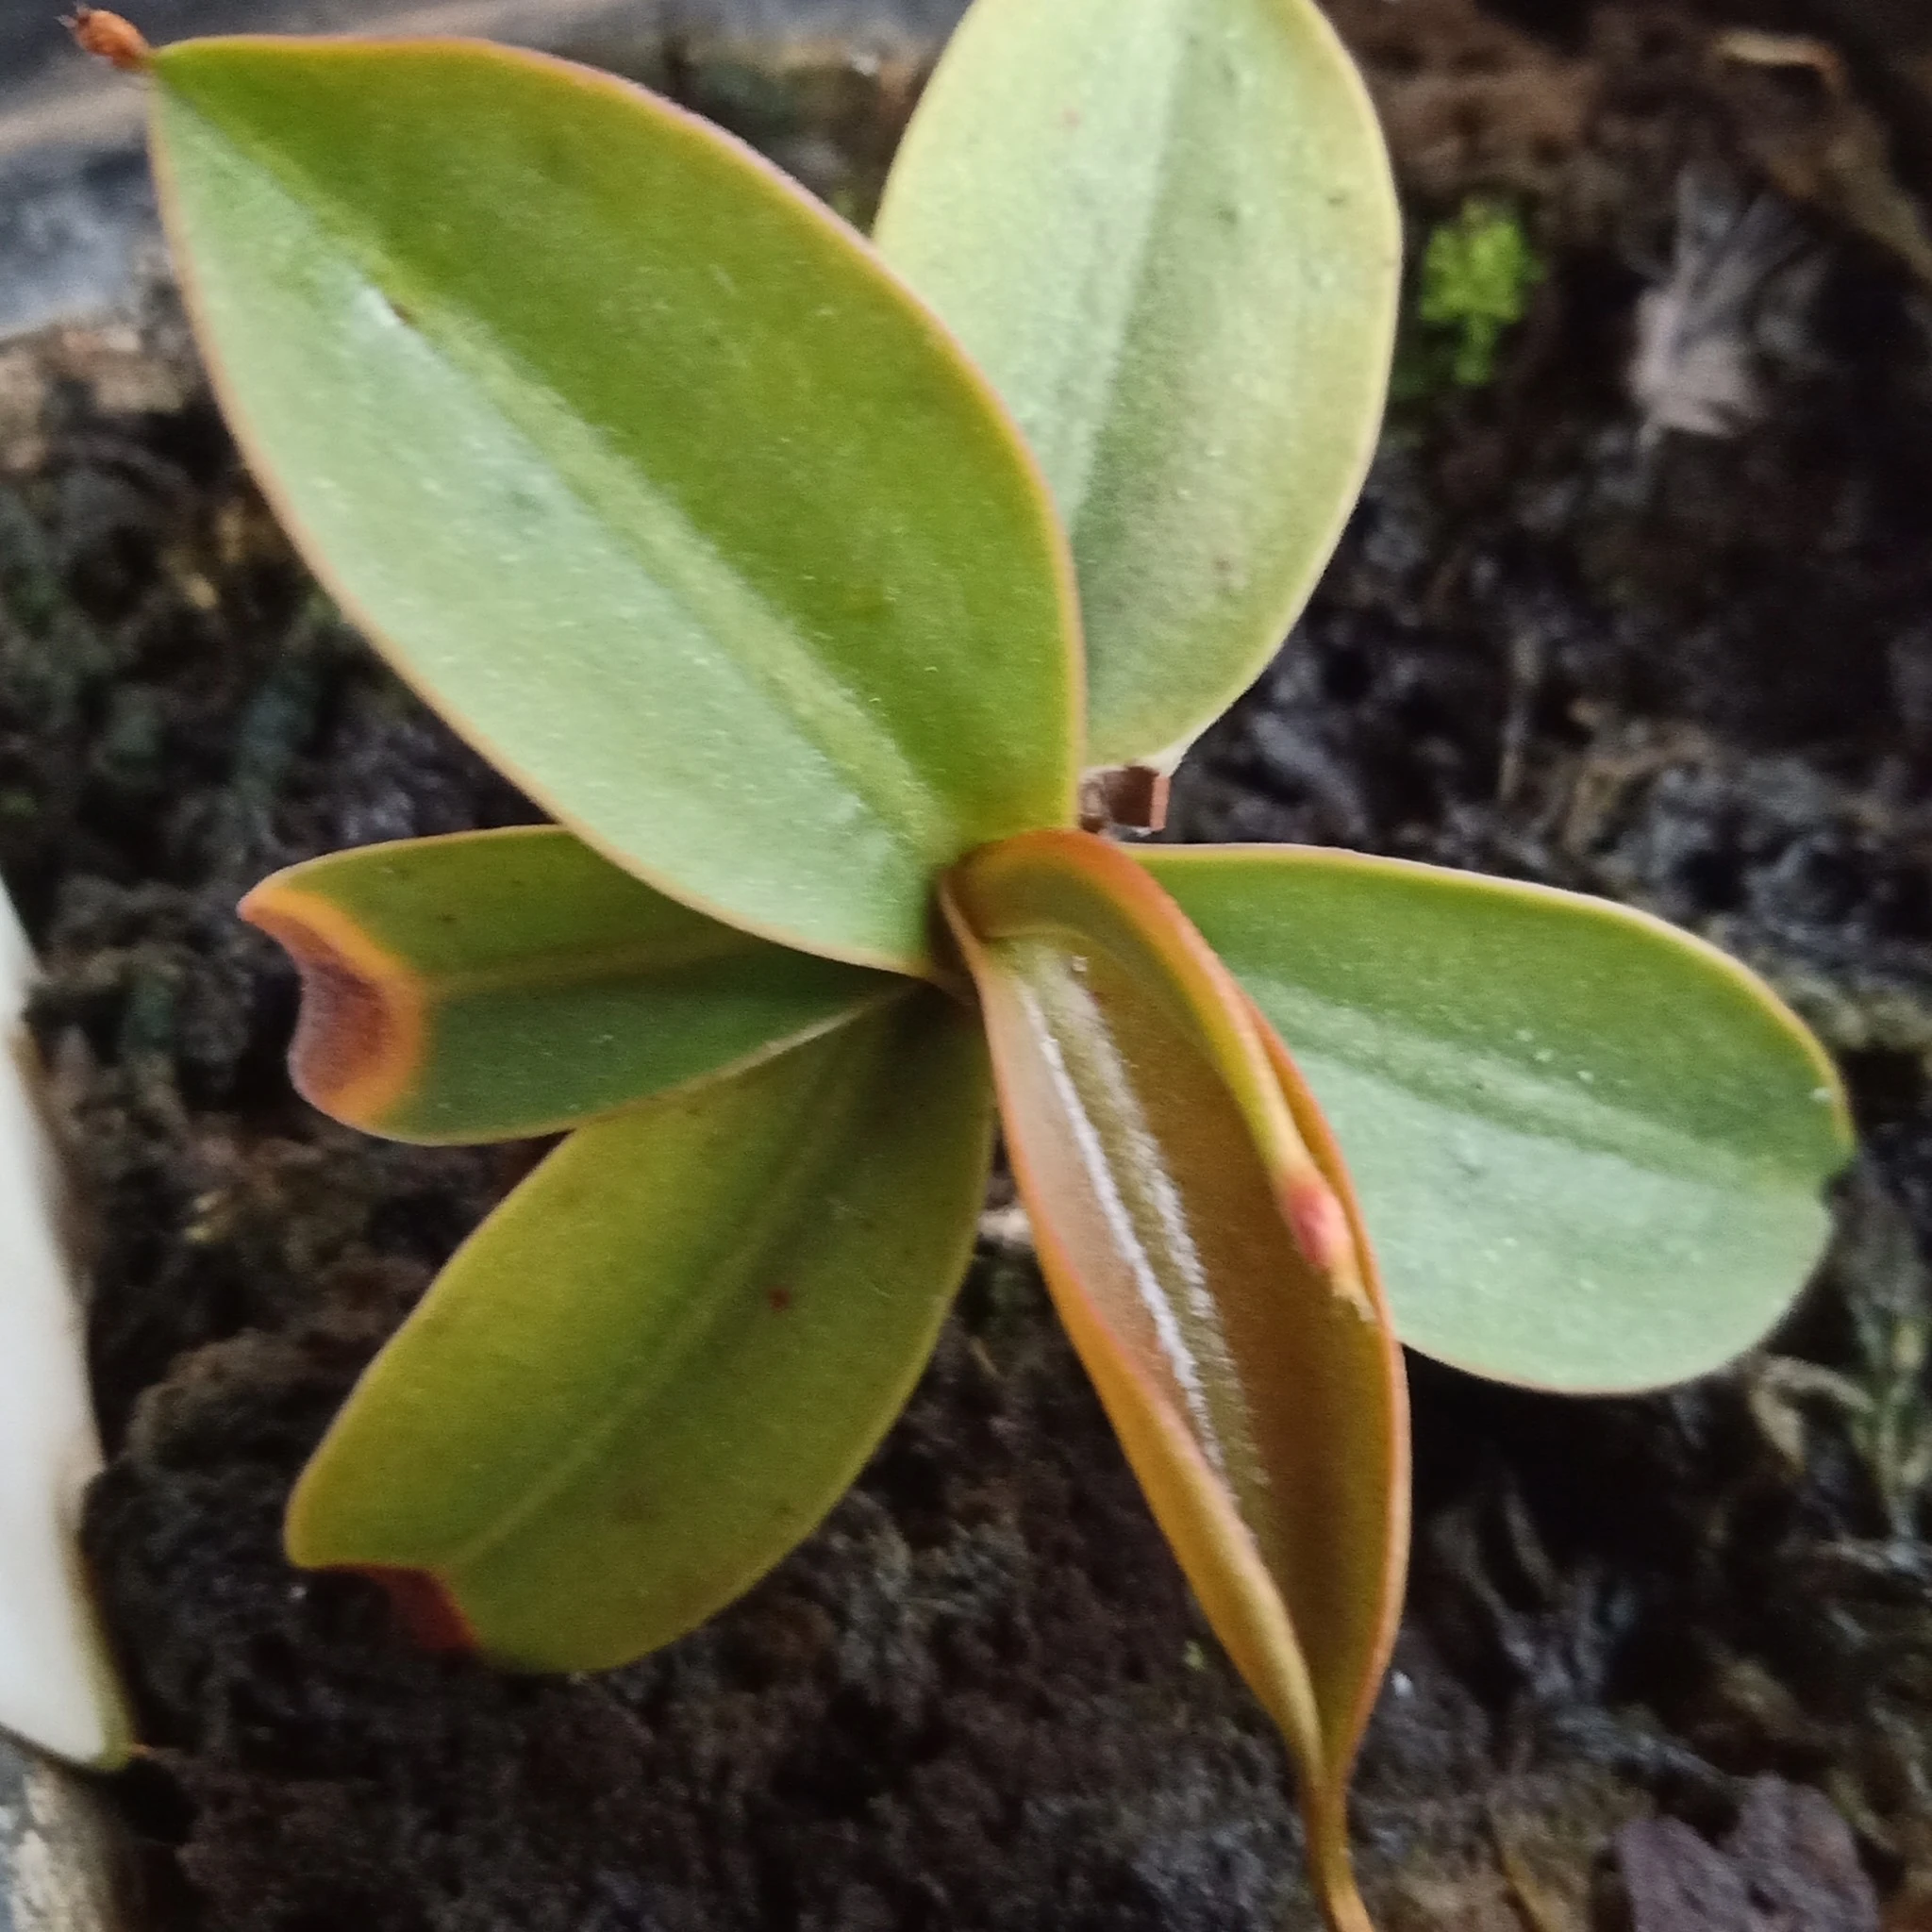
pixel 497 984
pixel 1590 1148
pixel 659 1363
pixel 637 463
pixel 1167 229
pixel 1201 1243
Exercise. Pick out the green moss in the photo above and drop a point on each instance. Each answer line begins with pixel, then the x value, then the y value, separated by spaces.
pixel 1477 271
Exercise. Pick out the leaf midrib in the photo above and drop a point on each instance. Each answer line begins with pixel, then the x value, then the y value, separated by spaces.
pixel 1509 1095
pixel 1107 330
pixel 566 967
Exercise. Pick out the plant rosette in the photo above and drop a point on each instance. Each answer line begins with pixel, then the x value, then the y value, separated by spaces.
pixel 800 578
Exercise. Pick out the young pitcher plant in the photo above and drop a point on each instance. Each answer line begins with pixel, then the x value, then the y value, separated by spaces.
pixel 799 579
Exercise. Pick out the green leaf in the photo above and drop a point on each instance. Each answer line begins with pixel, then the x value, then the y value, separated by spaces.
pixel 659 1363
pixel 498 984
pixel 1166 229
pixel 1198 1235
pixel 636 463
pixel 1590 1148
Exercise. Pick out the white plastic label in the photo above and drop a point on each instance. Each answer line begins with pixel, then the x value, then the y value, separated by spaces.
pixel 56 1683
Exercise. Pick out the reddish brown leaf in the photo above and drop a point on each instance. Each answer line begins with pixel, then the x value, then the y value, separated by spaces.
pixel 1202 1243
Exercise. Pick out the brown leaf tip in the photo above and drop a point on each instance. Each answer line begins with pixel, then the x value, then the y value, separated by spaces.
pixel 425 1607
pixel 360 1034
pixel 109 36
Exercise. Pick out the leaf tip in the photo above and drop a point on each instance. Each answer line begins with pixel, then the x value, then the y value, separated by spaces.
pixel 359 1036
pixel 109 38
pixel 425 1607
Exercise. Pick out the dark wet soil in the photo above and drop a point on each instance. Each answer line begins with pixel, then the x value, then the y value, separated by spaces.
pixel 1690 671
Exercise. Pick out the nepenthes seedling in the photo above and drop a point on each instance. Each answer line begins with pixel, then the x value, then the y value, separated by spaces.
pixel 800 578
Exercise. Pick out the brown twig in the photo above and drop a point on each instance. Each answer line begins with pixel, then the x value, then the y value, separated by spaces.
pixel 1129 798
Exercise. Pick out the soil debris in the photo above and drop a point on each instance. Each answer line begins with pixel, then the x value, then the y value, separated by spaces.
pixel 1787 1865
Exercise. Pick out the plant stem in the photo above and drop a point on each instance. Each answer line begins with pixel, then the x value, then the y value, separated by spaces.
pixel 1326 1815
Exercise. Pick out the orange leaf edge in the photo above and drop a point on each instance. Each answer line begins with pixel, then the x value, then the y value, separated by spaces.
pixel 1315 1131
pixel 1330 1237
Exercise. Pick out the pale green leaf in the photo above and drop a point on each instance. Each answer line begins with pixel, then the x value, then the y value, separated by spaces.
pixel 637 463
pixel 1166 229
pixel 1592 1150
